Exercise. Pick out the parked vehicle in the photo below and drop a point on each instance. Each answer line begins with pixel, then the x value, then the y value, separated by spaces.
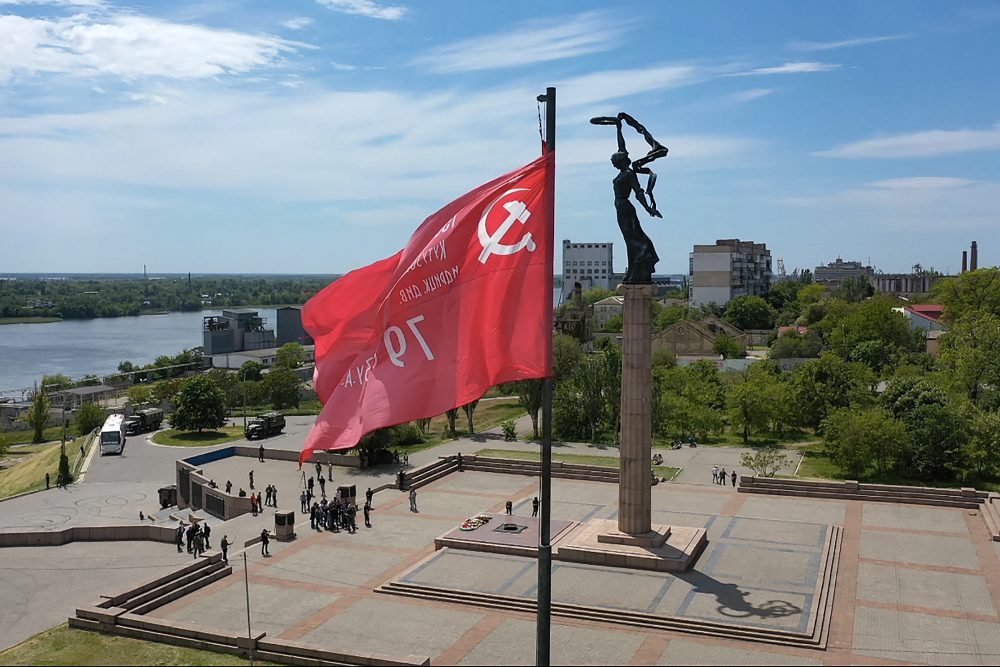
pixel 144 421
pixel 267 424
pixel 113 435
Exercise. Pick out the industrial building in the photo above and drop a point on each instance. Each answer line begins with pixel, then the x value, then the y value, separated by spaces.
pixel 236 329
pixel 833 275
pixel 290 329
pixel 728 269
pixel 589 264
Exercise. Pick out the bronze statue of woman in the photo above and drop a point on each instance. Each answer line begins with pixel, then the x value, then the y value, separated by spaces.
pixel 642 257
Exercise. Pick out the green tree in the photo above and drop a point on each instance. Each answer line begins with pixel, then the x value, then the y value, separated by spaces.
pixel 764 461
pixel 728 347
pixel 529 396
pixel 750 312
pixel 823 384
pixel 38 414
pixel 200 404
pixel 970 355
pixel 165 391
pixel 793 345
pixel 452 416
pixel 857 440
pixel 290 355
pixel 63 477
pixel 282 386
pixel 567 356
pixel 855 289
pixel 970 292
pixel 811 293
pixel 88 417
pixel 469 409
pixel 983 448
pixel 251 370
pixel 614 324
pixel 56 382
pixel 906 394
pixel 139 394
pixel 751 398
pixel 938 438
pixel 611 367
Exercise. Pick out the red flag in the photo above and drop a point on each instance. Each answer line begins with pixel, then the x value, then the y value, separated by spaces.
pixel 465 306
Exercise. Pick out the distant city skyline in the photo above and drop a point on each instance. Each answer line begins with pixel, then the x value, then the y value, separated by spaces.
pixel 313 136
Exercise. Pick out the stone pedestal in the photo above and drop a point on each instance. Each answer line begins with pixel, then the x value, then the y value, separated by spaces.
pixel 635 490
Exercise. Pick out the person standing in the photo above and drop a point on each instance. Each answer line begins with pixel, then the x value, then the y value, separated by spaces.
pixel 304 502
pixel 734 479
pixel 179 538
pixel 319 470
pixel 225 548
pixel 267 495
pixel 722 476
pixel 402 480
pixel 206 531
pixel 264 539
pixel 311 484
pixel 367 511
pixel 322 486
pixel 229 487
pixel 329 472
pixel 715 474
pixel 251 480
pixel 413 499
pixel 189 534
pixel 46 481
pixel 274 496
pixel 199 544
pixel 253 504
pixel 509 507
pixel 460 462
pixel 534 506
pixel 260 453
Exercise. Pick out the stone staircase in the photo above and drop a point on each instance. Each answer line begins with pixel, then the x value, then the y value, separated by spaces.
pixel 990 511
pixel 850 490
pixel 560 470
pixel 431 472
pixel 158 592
pixel 814 636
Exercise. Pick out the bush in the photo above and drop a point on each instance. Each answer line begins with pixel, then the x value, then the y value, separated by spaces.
pixel 404 435
pixel 88 417
pixel 509 430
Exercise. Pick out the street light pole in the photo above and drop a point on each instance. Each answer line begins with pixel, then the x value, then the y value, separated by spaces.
pixel 246 582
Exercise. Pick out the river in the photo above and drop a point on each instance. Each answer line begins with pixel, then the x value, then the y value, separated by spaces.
pixel 80 347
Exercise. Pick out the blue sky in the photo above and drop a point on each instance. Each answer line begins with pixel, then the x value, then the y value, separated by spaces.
pixel 314 136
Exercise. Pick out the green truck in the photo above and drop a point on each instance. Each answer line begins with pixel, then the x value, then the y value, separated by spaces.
pixel 267 424
pixel 144 421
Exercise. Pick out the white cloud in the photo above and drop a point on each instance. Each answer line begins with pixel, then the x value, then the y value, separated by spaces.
pixel 920 144
pixel 531 42
pixel 367 8
pixel 801 67
pixel 297 23
pixel 749 95
pixel 57 3
pixel 921 183
pixel 843 43
pixel 130 47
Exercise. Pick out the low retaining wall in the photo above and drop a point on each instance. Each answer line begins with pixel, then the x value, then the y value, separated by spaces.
pixel 194 492
pixel 967 498
pixel 52 538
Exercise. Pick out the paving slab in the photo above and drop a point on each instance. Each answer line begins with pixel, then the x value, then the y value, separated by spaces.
pixel 915 518
pixel 921 549
pixel 681 652
pixel 794 509
pixel 334 565
pixel 935 640
pixel 919 588
pixel 513 643
pixel 484 482
pixel 387 625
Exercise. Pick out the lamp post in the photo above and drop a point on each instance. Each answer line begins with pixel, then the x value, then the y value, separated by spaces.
pixel 243 391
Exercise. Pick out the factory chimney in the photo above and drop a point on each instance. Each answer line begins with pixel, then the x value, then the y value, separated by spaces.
pixel 973 258
pixel 965 261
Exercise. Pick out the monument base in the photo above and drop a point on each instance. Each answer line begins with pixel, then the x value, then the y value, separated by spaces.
pixel 593 543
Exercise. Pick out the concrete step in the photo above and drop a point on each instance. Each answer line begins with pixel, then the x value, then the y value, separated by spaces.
pixel 844 495
pixel 991 515
pixel 181 591
pixel 169 585
pixel 634 619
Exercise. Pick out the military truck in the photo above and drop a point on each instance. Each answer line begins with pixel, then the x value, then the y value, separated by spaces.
pixel 267 424
pixel 144 421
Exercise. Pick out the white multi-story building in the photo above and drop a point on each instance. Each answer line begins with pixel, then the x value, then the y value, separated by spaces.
pixel 590 264
pixel 729 268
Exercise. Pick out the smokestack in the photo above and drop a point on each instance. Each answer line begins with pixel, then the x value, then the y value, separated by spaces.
pixel 974 258
pixel 965 261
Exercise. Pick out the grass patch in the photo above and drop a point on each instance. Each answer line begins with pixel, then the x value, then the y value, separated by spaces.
pixel 24 437
pixel 29 320
pixel 583 459
pixel 28 474
pixel 63 645
pixel 487 415
pixel 176 438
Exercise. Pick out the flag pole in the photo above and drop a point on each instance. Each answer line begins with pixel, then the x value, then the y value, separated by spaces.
pixel 544 597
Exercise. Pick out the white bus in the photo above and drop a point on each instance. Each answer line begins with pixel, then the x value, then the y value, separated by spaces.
pixel 113 435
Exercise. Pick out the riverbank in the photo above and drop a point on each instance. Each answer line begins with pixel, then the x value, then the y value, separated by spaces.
pixel 29 320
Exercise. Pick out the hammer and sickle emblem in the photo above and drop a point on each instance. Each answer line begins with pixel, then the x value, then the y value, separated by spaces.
pixel 517 211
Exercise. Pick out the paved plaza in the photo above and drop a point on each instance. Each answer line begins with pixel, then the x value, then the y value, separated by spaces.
pixel 914 584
